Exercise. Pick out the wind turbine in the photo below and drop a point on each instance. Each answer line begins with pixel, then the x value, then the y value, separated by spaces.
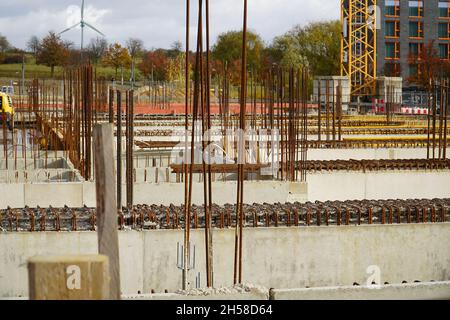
pixel 82 24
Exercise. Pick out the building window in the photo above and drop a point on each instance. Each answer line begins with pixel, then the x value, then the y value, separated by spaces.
pixel 392 8
pixel 444 51
pixel 392 69
pixel 444 30
pixel 416 29
pixel 416 9
pixel 413 70
pixel 393 29
pixel 415 50
pixel 444 9
pixel 393 51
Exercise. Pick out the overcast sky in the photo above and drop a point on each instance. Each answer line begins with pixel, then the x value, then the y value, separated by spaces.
pixel 158 23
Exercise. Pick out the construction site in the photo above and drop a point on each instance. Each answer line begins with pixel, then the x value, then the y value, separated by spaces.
pixel 290 187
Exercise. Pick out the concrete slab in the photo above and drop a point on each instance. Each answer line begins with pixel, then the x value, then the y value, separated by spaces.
pixel 56 195
pixel 12 195
pixel 254 295
pixel 89 195
pixel 343 185
pixel 274 257
pixel 365 154
pixel 414 291
pixel 223 193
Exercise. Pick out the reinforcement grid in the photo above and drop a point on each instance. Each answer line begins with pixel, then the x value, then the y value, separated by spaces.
pixel 152 217
pixel 376 165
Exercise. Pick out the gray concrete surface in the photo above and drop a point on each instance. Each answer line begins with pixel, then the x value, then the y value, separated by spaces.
pixel 365 154
pixel 410 291
pixel 151 159
pixel 80 194
pixel 322 186
pixel 273 258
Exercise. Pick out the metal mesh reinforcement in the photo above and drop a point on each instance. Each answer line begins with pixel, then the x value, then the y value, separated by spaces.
pixel 148 217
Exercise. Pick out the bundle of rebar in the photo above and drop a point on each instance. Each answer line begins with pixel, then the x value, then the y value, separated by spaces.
pixel 153 217
pixel 438 96
pixel 376 165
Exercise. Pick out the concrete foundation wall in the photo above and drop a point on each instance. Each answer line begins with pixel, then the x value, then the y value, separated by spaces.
pixel 152 160
pixel 273 258
pixel 19 195
pixel 39 176
pixel 322 186
pixel 365 154
pixel 416 291
pixel 378 185
pixel 253 296
pixel 80 194
pixel 12 195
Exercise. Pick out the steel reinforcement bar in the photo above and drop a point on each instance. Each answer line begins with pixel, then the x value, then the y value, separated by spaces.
pixel 376 165
pixel 151 217
pixel 311 131
pixel 315 144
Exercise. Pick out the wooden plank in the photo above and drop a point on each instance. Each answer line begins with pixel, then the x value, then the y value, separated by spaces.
pixel 107 221
pixel 69 278
pixel 157 144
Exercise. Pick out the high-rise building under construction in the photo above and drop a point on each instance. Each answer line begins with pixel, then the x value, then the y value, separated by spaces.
pixel 406 28
pixel 387 37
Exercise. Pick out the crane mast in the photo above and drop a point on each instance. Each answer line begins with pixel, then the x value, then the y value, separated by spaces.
pixel 358 46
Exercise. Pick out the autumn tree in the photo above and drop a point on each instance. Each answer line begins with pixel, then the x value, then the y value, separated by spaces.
pixel 317 46
pixel 33 45
pixel 154 65
pixel 429 66
pixel 116 57
pixel 286 53
pixel 97 48
pixel 52 52
pixel 135 48
pixel 176 68
pixel 228 50
pixel 175 50
pixel 4 44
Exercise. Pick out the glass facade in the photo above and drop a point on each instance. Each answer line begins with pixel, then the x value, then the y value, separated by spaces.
pixel 392 8
pixel 413 70
pixel 416 9
pixel 444 51
pixel 393 50
pixel 444 9
pixel 392 69
pixel 416 29
pixel 415 49
pixel 418 32
pixel 444 30
pixel 392 29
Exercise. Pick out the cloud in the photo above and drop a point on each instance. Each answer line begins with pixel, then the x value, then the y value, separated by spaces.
pixel 92 15
pixel 158 22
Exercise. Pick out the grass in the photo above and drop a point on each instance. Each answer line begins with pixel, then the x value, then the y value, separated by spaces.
pixel 32 70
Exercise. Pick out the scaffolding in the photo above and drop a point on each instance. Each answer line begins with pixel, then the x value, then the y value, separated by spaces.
pixel 358 46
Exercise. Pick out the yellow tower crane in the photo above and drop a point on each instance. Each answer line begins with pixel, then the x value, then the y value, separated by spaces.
pixel 359 45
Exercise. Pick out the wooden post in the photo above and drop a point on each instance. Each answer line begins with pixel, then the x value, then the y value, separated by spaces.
pixel 69 278
pixel 107 218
